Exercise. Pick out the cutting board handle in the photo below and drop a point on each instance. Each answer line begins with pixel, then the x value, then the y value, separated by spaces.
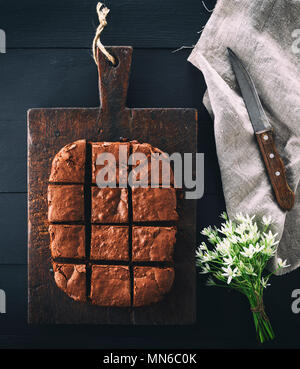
pixel 114 79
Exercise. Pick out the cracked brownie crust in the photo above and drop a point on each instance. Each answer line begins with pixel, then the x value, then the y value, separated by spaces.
pixel 109 246
pixel 67 241
pixel 151 284
pixel 110 243
pixel 110 285
pixel 153 243
pixel 71 279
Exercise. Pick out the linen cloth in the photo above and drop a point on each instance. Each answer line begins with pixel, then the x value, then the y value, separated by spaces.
pixel 265 34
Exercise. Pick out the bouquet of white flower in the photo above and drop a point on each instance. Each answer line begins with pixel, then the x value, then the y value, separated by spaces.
pixel 237 259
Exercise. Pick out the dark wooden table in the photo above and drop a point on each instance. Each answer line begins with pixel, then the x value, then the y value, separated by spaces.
pixel 48 64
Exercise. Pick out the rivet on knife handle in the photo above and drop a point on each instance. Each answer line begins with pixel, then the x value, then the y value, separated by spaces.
pixel 276 170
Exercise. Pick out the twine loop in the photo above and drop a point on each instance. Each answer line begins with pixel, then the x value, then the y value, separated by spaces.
pixel 102 12
pixel 259 308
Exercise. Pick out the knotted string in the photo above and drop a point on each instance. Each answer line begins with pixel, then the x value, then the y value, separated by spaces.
pixel 259 308
pixel 102 12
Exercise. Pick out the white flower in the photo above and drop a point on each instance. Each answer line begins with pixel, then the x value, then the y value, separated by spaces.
pixel 269 251
pixel 258 248
pixel 205 269
pixel 230 273
pixel 203 246
pixel 240 217
pixel 267 220
pixel 228 261
pixel 199 253
pixel 241 228
pixel 264 282
pixel 214 254
pixel 269 238
pixel 282 263
pixel 241 264
pixel 206 257
pixel 224 247
pixel 213 237
pixel 210 282
pixel 249 269
pixel 224 215
pixel 227 228
pixel 206 231
pixel 244 218
pixel 233 239
pixel 248 251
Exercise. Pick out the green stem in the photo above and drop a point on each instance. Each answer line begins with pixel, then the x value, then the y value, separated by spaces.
pixel 262 323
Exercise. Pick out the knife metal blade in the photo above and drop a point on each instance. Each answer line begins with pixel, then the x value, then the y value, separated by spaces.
pixel 256 112
pixel 264 134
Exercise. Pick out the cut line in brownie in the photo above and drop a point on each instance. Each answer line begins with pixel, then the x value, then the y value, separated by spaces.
pixel 110 246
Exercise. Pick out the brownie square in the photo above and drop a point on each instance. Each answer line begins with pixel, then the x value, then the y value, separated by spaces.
pixel 68 164
pixel 142 169
pixel 65 203
pixel 151 284
pixel 109 243
pixel 114 149
pixel 67 241
pixel 71 279
pixel 154 204
pixel 153 243
pixel 109 205
pixel 110 285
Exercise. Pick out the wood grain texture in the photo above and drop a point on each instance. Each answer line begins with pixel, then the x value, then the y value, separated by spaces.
pixel 276 170
pixel 172 130
pixel 72 23
pixel 13 228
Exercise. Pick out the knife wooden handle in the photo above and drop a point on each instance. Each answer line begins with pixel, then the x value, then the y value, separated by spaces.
pixel 276 170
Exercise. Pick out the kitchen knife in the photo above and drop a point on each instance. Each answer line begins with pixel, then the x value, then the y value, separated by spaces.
pixel 264 134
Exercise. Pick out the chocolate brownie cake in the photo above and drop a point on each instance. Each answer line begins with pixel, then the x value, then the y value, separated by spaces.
pixel 65 203
pixel 153 243
pixel 154 204
pixel 67 241
pixel 144 166
pixel 110 285
pixel 151 284
pixel 110 246
pixel 69 163
pixel 71 279
pixel 109 205
pixel 114 149
pixel 110 243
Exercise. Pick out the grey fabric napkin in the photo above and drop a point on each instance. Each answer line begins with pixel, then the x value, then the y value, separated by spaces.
pixel 266 36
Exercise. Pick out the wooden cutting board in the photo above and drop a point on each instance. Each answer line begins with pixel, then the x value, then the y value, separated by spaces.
pixel 171 130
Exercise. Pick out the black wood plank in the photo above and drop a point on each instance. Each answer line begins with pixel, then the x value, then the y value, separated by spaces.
pixel 59 78
pixel 13 228
pixel 72 23
pixel 224 321
pixel 13 281
pixel 68 78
